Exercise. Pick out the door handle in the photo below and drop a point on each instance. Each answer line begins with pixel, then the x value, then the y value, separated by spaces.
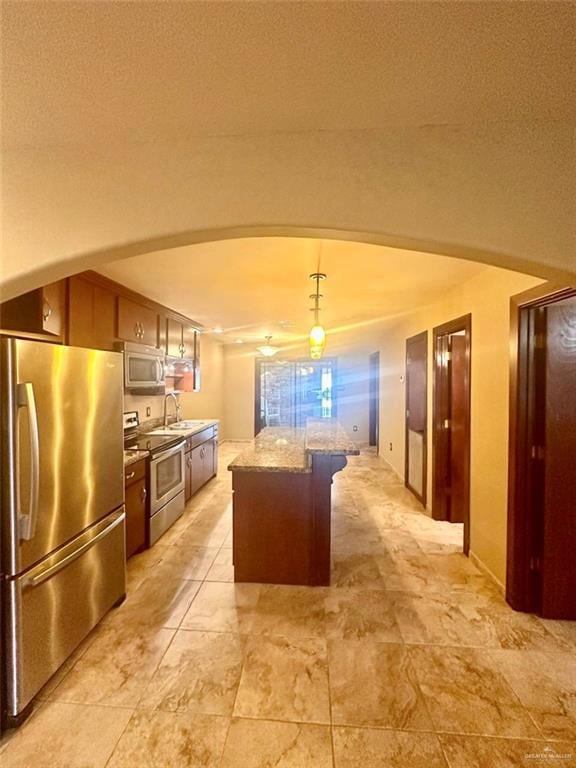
pixel 26 399
pixel 131 475
pixel 143 494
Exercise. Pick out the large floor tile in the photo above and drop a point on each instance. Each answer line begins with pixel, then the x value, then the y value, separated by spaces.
pixel 170 740
pixel 356 570
pixel 284 679
pixel 116 668
pixel 546 685
pixel 444 619
pixel 288 611
pixel 374 684
pixel 220 607
pixel 267 744
pixel 185 561
pixel 478 752
pixel 61 735
pixel 222 569
pixel 199 673
pixel 158 602
pixel 466 693
pixel 371 748
pixel 356 614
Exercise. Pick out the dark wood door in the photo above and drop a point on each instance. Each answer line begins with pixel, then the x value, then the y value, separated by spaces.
pixel 197 469
pixel 416 415
pixel 91 315
pixel 173 338
pixel 53 308
pixel 188 475
pixel 558 568
pixel 188 341
pixel 137 323
pixel 374 399
pixel 458 372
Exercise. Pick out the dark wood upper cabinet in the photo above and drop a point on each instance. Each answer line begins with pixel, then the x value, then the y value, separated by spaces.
pixel 174 344
pixel 137 323
pixel 91 315
pixel 189 341
pixel 40 311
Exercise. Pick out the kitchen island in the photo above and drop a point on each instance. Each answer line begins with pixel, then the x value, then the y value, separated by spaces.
pixel 282 503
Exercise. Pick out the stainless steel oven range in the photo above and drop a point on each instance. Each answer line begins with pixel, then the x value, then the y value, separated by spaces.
pixel 166 480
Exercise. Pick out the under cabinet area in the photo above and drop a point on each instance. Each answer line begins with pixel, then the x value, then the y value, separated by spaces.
pixel 201 460
pixel 135 494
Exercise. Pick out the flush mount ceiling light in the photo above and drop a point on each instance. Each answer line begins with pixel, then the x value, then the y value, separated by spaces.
pixel 317 336
pixel 218 329
pixel 267 350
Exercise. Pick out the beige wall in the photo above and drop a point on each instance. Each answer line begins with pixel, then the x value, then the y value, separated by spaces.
pixel 487 298
pixel 209 401
pixel 206 404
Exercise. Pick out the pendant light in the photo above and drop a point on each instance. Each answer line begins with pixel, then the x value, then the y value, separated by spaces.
pixel 317 336
pixel 267 350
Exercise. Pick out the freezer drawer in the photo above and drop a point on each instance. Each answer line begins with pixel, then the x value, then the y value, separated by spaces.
pixel 53 606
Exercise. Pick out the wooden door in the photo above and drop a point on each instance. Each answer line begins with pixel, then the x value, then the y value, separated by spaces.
pixel 53 308
pixel 188 475
pixel 197 469
pixel 451 424
pixel 188 341
pixel 558 568
pixel 374 399
pixel 458 461
pixel 173 338
pixel 80 312
pixel 415 477
pixel 137 323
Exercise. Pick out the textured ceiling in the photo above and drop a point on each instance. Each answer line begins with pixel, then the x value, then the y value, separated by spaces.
pixel 254 286
pixel 87 72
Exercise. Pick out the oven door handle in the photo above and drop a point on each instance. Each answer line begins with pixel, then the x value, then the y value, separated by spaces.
pixel 160 456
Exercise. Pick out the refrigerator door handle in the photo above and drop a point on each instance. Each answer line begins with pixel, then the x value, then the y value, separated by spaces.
pixel 26 399
pixel 36 578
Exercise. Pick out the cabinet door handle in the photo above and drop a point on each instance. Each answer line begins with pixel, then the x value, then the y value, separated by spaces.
pixel 131 475
pixel 46 310
pixel 143 494
pixel 136 330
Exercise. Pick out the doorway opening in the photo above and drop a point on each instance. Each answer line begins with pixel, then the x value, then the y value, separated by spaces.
pixel 416 421
pixel 374 401
pixel 288 392
pixel 541 569
pixel 451 424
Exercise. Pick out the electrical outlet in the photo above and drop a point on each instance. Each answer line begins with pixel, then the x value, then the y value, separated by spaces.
pixel 355 428
pixel 390 448
pixel 148 411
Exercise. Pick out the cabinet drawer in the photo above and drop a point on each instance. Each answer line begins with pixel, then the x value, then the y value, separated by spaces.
pixel 201 437
pixel 134 472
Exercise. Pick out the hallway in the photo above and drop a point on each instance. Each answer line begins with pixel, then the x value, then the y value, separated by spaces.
pixel 410 659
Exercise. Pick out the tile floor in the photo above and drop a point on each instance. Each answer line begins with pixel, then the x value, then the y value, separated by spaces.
pixel 410 660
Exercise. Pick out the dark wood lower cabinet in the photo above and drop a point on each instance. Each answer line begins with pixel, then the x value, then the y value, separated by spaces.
pixel 201 463
pixel 135 506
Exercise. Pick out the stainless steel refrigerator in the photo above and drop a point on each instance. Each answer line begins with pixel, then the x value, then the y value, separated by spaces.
pixel 62 513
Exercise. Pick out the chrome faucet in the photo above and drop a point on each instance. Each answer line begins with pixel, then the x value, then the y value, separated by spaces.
pixel 174 396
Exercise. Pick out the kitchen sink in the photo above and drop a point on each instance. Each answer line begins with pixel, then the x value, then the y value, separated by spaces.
pixel 188 424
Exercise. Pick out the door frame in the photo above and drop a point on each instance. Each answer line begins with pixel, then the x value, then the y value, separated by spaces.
pixel 374 400
pixel 521 584
pixel 440 414
pixel 422 498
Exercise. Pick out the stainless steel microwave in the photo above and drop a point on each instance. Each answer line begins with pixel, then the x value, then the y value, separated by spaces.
pixel 144 369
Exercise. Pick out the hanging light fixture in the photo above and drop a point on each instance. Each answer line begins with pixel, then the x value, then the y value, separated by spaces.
pixel 267 350
pixel 317 336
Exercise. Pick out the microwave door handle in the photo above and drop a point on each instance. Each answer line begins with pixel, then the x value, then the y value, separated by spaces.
pixel 160 370
pixel 26 399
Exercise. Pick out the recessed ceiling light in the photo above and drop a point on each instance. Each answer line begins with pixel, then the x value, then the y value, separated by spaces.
pixel 238 341
pixel 218 330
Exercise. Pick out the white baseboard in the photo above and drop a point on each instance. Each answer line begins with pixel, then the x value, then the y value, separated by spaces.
pixel 486 571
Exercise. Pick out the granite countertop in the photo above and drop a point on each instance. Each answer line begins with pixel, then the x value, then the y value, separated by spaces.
pixel 131 457
pixel 286 449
